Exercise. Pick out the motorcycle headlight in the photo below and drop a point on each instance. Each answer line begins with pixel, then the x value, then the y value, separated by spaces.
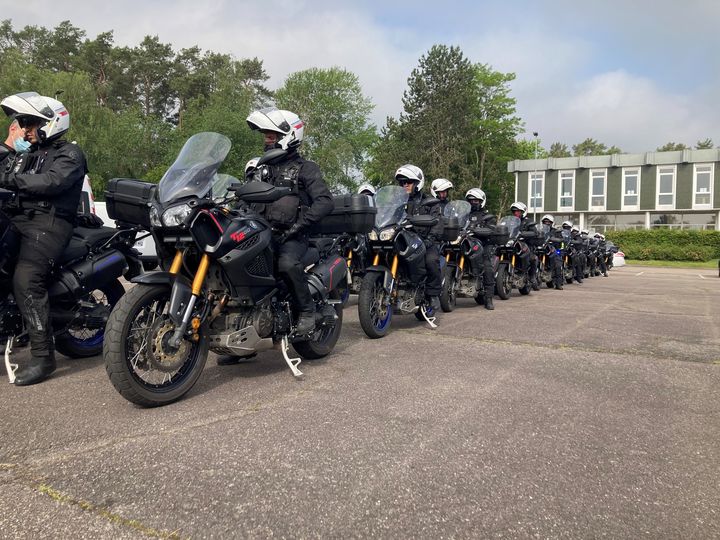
pixel 372 235
pixel 510 243
pixel 155 217
pixel 387 234
pixel 176 215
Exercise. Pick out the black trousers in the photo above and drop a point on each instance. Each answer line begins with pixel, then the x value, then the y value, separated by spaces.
pixel 292 272
pixel 433 283
pixel 482 265
pixel 555 262
pixel 44 238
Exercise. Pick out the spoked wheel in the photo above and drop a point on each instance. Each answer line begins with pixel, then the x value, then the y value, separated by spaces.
pixel 448 298
pixel 374 308
pixel 324 338
pixel 85 340
pixel 143 367
pixel 503 282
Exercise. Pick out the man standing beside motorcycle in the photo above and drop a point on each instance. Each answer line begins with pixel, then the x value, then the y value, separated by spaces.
pixel 602 254
pixel 48 180
pixel 412 179
pixel 482 262
pixel 291 216
pixel 554 242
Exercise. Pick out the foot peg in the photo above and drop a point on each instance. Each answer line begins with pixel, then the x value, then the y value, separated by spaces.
pixel 10 367
pixel 291 362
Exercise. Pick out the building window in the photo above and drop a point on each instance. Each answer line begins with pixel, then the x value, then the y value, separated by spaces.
pixel 566 190
pixel 537 181
pixel 631 189
pixel 702 185
pixel 666 188
pixel 598 181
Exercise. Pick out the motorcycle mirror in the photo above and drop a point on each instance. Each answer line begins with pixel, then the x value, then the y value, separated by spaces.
pixel 430 202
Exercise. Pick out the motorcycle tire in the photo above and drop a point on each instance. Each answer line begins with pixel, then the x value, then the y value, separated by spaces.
pixel 323 341
pixel 126 368
pixel 374 310
pixel 525 289
pixel 502 283
pixel 73 344
pixel 447 295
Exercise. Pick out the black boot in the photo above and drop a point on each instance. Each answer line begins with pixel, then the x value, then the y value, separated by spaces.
pixel 489 298
pixel 36 370
pixel 229 360
pixel 305 323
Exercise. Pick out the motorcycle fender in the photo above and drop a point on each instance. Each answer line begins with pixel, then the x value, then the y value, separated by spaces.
pixel 387 276
pixel 180 295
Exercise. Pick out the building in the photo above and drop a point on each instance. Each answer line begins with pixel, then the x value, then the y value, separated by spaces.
pixel 679 190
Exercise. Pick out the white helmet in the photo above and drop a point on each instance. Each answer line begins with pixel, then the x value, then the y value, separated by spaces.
pixel 440 184
pixel 251 165
pixel 367 188
pixel 575 228
pixel 584 232
pixel 517 205
pixel 476 193
pixel 286 123
pixel 567 224
pixel 412 173
pixel 53 116
pixel 549 218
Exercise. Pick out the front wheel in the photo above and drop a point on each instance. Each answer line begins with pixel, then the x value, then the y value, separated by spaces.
pixel 374 309
pixel 447 295
pixel 324 338
pixel 139 361
pixel 503 282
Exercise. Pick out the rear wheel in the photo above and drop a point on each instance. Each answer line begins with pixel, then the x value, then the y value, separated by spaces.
pixel 79 341
pixel 374 310
pixel 447 295
pixel 324 338
pixel 503 283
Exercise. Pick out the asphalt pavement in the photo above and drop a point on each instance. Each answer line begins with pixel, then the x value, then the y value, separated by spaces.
pixel 585 413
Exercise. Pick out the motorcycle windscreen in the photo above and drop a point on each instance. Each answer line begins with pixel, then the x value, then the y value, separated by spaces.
pixel 193 173
pixel 390 202
pixel 459 209
pixel 513 225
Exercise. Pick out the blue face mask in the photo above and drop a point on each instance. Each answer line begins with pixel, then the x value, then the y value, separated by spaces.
pixel 21 145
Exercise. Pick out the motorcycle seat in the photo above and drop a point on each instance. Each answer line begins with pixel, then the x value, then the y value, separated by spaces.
pixel 83 239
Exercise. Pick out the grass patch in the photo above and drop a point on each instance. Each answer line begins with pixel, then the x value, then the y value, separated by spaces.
pixel 675 264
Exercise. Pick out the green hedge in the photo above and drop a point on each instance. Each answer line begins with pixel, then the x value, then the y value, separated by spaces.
pixel 667 244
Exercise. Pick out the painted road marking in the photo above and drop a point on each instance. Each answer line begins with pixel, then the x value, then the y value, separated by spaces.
pixel 639 274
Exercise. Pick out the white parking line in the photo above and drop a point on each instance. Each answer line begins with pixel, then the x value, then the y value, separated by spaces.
pixel 701 276
pixel 640 273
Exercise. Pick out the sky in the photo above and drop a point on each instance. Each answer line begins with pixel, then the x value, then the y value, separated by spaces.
pixel 630 73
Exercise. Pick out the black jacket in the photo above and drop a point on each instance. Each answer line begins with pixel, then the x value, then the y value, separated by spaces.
pixel 315 199
pixel 49 177
pixel 416 206
pixel 481 218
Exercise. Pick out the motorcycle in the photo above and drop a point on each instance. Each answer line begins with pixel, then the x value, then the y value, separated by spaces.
pixel 551 245
pixel 459 281
pixel 513 268
pixel 395 281
pixel 84 287
pixel 218 290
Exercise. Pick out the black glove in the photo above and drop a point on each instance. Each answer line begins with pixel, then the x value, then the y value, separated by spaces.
pixel 293 232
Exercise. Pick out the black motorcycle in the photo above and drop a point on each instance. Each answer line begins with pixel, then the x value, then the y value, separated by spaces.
pixel 513 266
pixel 395 280
pixel 459 280
pixel 218 290
pixel 84 286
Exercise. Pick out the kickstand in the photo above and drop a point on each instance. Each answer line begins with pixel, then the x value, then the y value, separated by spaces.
pixel 10 367
pixel 291 362
pixel 430 320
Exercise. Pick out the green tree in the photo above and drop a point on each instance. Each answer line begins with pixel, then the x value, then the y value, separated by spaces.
pixel 704 144
pixel 559 150
pixel 671 147
pixel 438 120
pixel 59 50
pixel 151 69
pixel 589 147
pixel 338 133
